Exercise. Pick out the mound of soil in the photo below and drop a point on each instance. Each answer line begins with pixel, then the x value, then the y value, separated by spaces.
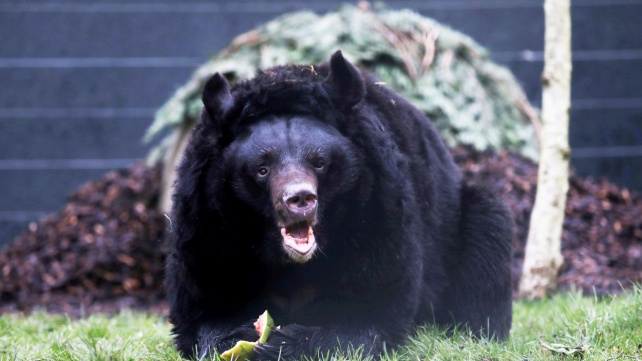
pixel 104 252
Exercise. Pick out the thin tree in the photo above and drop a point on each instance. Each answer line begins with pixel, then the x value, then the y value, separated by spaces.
pixel 543 257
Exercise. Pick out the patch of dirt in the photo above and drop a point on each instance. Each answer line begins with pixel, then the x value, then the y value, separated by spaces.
pixel 103 251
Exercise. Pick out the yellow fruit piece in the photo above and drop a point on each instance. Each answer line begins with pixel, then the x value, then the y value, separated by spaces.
pixel 244 350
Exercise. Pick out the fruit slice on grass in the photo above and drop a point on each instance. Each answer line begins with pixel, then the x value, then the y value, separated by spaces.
pixel 244 350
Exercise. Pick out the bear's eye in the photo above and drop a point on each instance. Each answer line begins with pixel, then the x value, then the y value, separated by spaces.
pixel 263 171
pixel 319 163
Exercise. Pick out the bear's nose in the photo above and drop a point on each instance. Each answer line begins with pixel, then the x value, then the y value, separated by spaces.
pixel 300 198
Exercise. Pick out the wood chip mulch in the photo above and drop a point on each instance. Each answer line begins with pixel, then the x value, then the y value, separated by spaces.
pixel 602 236
pixel 102 251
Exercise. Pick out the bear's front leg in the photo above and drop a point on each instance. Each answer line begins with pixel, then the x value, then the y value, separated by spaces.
pixel 222 338
pixel 293 341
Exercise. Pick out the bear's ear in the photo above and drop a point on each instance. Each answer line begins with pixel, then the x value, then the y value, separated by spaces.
pixel 217 97
pixel 345 81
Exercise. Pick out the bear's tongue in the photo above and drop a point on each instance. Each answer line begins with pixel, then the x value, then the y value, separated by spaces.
pixel 299 237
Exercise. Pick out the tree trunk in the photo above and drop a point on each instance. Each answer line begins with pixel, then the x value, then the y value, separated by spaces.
pixel 543 256
pixel 170 162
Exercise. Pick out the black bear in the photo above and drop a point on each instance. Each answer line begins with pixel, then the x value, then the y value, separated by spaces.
pixel 316 193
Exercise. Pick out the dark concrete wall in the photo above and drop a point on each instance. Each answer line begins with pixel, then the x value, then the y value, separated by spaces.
pixel 82 79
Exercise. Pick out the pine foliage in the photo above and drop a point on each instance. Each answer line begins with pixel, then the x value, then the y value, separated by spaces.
pixel 444 73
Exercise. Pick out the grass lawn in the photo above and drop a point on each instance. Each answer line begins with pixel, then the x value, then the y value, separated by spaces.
pixel 565 327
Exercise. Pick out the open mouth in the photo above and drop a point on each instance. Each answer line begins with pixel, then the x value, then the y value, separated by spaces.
pixel 299 237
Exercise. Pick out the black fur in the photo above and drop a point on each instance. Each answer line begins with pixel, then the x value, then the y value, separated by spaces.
pixel 401 241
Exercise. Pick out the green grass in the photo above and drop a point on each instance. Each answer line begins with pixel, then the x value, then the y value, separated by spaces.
pixel 565 327
pixel 127 336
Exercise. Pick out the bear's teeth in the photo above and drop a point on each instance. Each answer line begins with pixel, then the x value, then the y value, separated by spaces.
pixel 299 240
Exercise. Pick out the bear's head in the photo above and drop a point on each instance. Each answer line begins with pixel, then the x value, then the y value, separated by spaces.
pixel 286 159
